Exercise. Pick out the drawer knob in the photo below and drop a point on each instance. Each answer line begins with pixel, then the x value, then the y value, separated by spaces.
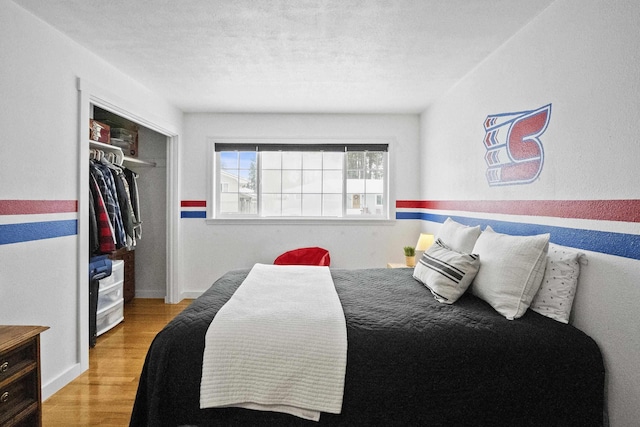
pixel 4 397
pixel 4 367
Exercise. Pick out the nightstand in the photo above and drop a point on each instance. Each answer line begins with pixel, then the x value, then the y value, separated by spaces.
pixel 20 398
pixel 397 265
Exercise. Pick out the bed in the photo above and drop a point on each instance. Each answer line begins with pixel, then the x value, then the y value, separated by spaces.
pixel 410 361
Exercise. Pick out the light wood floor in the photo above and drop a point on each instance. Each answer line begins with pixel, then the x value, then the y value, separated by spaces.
pixel 103 395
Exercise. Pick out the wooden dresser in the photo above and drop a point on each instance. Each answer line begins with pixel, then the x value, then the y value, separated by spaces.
pixel 20 399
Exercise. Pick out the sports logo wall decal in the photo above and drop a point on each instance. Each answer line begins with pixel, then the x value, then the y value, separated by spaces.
pixel 515 154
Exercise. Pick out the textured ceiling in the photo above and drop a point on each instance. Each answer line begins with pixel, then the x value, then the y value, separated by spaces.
pixel 292 55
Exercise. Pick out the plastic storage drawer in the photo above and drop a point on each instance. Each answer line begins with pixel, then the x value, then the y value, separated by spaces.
pixel 109 295
pixel 117 275
pixel 109 317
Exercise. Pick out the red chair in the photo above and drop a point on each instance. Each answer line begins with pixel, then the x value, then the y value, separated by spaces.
pixel 304 256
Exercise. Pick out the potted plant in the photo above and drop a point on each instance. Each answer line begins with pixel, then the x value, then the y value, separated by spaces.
pixel 410 256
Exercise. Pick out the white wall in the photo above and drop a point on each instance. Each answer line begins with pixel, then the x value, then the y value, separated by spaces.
pixel 581 56
pixel 39 160
pixel 209 250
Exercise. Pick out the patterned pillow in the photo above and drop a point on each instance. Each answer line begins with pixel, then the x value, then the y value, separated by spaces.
pixel 555 296
pixel 511 270
pixel 445 272
pixel 458 237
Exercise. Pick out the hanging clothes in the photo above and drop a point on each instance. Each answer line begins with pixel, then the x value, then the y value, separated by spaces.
pixel 94 238
pixel 124 201
pixel 106 237
pixel 132 180
pixel 107 186
pixel 114 192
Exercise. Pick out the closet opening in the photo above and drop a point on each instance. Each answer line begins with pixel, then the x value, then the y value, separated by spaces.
pixel 135 157
pixel 156 269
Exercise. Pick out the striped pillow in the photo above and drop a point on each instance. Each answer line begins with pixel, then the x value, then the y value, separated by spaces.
pixel 445 272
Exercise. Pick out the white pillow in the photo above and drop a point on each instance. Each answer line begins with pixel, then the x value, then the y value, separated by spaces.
pixel 458 237
pixel 445 272
pixel 511 270
pixel 555 296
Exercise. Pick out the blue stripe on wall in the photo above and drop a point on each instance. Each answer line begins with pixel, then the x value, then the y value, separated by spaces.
pixel 620 244
pixel 193 214
pixel 28 231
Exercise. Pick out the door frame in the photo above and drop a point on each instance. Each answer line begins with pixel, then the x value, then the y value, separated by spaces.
pixel 90 95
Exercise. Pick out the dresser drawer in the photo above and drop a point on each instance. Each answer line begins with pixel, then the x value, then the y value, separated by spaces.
pixel 19 397
pixel 19 359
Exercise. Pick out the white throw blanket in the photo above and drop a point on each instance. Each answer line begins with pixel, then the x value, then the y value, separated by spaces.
pixel 279 344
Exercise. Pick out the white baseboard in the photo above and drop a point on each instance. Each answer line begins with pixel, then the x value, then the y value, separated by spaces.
pixel 50 388
pixel 191 295
pixel 141 293
pixel 161 295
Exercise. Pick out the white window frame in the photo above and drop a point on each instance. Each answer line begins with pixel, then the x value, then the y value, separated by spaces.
pixel 213 211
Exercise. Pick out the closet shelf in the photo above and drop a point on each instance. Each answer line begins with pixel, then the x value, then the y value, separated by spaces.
pixel 119 154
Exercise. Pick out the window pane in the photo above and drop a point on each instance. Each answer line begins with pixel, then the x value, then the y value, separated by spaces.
pixel 311 181
pixel 368 207
pixel 355 185
pixel 332 205
pixel 247 159
pixel 374 165
pixel 248 180
pixel 248 169
pixel 229 160
pixel 248 203
pixel 332 182
pixel 271 205
pixel 332 160
pixel 291 160
pixel 365 183
pixel 229 180
pixel 271 159
pixel 355 204
pixel 271 181
pixel 229 203
pixel 355 174
pixel 238 182
pixel 374 185
pixel 243 176
pixel 311 160
pixel 291 205
pixel 291 181
pixel 312 204
pixel 355 160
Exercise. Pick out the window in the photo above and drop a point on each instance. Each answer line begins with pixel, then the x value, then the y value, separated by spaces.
pixel 301 180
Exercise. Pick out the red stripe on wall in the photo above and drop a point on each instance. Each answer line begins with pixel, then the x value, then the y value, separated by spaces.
pixel 29 207
pixel 607 210
pixel 193 204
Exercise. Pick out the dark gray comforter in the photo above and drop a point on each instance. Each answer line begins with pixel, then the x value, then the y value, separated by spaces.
pixel 410 361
